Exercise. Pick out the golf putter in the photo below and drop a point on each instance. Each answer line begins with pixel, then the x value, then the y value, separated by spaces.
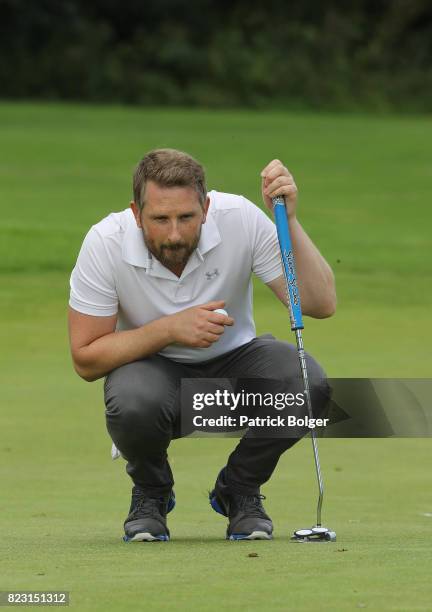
pixel 318 533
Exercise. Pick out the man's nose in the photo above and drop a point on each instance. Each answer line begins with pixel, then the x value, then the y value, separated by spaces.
pixel 174 235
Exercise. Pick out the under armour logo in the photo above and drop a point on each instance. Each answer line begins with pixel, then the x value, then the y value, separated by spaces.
pixel 210 275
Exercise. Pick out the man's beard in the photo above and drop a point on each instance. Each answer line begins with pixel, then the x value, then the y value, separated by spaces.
pixel 174 254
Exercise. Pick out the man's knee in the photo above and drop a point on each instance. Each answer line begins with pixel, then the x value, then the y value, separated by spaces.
pixel 286 365
pixel 134 398
pixel 283 361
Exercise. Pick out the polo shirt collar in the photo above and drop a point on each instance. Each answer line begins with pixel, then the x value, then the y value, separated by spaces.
pixel 210 236
pixel 136 253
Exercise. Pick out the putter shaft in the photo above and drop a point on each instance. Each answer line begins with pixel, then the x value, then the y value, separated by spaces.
pixel 293 300
pixel 301 354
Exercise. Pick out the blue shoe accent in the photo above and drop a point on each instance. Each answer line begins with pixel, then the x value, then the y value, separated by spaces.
pixel 171 502
pixel 214 503
pixel 238 536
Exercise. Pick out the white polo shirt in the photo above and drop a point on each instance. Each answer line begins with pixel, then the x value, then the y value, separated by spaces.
pixel 116 273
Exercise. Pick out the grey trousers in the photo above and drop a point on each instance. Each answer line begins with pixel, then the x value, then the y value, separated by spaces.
pixel 142 402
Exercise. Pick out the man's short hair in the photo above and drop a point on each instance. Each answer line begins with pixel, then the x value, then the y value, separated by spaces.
pixel 168 168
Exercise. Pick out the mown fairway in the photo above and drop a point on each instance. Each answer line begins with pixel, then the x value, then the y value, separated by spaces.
pixel 365 186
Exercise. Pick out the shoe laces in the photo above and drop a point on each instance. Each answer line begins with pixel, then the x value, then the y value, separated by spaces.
pixel 147 507
pixel 251 504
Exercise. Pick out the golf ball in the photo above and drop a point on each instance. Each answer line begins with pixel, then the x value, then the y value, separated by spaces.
pixel 221 311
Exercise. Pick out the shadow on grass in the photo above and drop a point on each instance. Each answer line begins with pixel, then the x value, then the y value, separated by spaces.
pixel 215 540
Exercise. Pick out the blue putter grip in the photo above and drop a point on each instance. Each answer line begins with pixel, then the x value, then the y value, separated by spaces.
pixel 287 256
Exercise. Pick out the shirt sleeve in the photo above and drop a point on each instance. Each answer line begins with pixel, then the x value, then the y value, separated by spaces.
pixel 266 262
pixel 92 284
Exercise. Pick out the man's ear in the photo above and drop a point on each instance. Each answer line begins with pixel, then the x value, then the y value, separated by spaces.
pixel 205 208
pixel 137 213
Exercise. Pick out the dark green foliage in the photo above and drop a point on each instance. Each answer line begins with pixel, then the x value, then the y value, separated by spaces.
pixel 333 54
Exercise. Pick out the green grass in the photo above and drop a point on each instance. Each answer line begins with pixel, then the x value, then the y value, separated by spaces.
pixel 365 191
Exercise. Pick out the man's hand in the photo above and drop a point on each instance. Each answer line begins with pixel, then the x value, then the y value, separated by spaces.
pixel 198 326
pixel 277 180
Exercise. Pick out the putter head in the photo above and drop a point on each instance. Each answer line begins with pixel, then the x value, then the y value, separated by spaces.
pixel 314 534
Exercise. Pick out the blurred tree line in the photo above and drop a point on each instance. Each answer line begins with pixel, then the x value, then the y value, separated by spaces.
pixel 365 54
